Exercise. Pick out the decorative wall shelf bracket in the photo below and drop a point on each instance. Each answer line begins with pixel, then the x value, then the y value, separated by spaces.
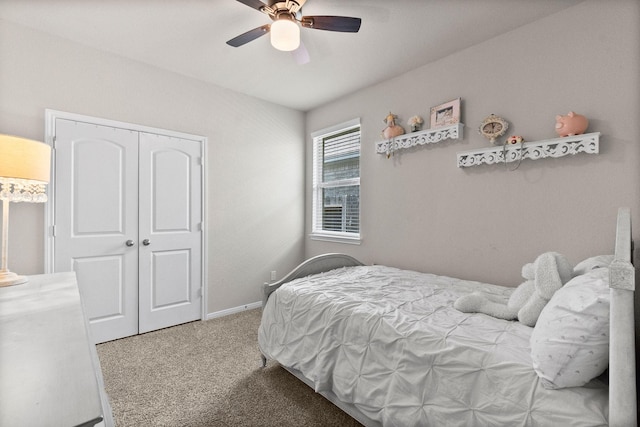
pixel 423 137
pixel 559 147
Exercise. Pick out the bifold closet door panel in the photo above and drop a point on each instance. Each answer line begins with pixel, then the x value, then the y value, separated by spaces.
pixel 170 205
pixel 96 221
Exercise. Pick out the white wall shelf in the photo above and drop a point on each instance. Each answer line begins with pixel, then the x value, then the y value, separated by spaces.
pixel 423 137
pixel 558 147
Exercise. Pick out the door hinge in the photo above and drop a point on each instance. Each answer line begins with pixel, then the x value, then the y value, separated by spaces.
pixel 53 230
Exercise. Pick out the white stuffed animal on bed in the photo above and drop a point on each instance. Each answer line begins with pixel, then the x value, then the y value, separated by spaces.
pixel 544 277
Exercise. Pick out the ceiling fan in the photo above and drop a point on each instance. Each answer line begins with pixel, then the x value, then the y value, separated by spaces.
pixel 287 20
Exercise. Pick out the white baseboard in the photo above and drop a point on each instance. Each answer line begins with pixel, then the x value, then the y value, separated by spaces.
pixel 234 310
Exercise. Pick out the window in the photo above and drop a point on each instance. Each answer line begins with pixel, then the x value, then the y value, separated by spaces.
pixel 336 183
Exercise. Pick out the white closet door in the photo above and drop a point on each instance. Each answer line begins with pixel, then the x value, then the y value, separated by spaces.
pixel 96 214
pixel 170 206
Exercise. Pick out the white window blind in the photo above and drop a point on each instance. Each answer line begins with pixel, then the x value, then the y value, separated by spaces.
pixel 336 183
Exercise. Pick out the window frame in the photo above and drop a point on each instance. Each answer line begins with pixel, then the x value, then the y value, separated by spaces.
pixel 317 186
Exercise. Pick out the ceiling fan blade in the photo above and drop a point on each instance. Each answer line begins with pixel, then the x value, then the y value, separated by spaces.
pixel 301 54
pixel 256 4
pixel 249 36
pixel 343 24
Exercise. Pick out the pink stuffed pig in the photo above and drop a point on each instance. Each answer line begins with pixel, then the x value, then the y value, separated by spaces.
pixel 571 124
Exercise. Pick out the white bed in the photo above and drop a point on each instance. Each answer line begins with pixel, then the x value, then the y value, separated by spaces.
pixel 388 347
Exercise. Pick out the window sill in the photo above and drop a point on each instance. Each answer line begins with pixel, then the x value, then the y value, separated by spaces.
pixel 336 238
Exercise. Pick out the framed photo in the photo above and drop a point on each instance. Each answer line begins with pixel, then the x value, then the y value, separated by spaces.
pixel 445 114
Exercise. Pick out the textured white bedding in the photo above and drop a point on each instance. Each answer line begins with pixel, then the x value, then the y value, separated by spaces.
pixel 390 342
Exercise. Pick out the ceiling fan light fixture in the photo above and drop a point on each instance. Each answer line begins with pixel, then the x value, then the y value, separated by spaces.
pixel 285 34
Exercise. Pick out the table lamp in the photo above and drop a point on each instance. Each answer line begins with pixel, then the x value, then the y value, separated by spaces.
pixel 24 173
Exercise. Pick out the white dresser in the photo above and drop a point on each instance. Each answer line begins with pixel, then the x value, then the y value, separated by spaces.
pixel 49 369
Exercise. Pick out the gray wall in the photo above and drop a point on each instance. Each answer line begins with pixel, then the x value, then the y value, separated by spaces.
pixel 420 211
pixel 255 152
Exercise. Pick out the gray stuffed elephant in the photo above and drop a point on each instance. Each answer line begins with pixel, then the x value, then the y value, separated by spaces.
pixel 544 277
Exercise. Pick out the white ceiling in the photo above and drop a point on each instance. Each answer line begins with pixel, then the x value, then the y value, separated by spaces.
pixel 188 37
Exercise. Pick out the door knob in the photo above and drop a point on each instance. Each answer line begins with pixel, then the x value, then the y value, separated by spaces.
pixel 129 243
pixel 146 242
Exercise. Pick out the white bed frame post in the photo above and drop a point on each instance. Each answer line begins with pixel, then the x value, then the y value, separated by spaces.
pixel 622 361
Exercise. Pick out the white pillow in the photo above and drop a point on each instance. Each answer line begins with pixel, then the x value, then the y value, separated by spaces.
pixel 592 263
pixel 570 342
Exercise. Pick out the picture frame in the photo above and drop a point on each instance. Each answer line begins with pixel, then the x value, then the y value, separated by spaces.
pixel 445 114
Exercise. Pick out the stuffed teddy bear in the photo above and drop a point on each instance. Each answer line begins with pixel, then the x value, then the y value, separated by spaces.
pixel 544 277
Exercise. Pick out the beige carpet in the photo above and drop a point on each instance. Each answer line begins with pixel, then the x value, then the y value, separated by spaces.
pixel 207 374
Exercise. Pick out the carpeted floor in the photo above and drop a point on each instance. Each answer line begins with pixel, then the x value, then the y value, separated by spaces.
pixel 207 374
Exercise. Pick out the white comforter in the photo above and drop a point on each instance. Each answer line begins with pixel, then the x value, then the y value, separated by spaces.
pixel 390 343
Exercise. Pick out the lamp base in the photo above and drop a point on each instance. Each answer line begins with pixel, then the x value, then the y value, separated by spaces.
pixel 8 278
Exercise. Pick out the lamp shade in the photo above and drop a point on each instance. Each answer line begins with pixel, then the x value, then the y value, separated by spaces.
pixel 25 166
pixel 285 34
pixel 24 159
